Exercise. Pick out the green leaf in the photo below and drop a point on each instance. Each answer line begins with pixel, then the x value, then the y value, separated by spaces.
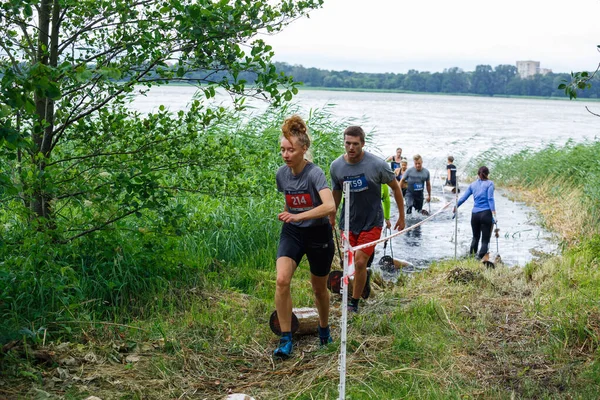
pixel 53 91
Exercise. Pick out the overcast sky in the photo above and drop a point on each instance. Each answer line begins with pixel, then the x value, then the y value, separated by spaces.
pixel 397 35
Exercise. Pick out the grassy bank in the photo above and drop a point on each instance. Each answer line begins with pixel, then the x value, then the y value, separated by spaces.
pixel 146 315
pixel 454 331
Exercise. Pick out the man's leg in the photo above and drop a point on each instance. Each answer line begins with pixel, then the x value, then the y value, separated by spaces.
pixel 361 259
pixel 418 202
pixel 409 202
pixel 360 276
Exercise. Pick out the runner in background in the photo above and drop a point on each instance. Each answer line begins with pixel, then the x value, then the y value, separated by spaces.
pixel 395 159
pixel 483 216
pixel 366 173
pixel 451 174
pixel 306 230
pixel 417 178
pixel 400 173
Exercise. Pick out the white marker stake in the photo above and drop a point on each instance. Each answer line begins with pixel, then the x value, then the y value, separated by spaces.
pixel 344 323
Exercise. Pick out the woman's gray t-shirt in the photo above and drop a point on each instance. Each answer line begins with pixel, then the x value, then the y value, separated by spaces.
pixel 302 191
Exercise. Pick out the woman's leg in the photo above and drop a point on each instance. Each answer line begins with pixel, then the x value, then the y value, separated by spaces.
pixel 283 296
pixel 319 286
pixel 476 228
pixel 486 231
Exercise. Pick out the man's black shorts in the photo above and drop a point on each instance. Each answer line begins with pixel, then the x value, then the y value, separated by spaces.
pixel 314 241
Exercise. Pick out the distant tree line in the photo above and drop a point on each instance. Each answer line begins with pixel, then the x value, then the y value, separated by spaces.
pixel 485 80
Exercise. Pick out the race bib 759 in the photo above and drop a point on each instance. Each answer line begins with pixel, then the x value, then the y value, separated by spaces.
pixel 358 183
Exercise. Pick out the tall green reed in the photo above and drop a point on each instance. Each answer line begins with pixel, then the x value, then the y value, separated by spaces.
pixel 140 264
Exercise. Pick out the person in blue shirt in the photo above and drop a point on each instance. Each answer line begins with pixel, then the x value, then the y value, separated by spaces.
pixel 483 216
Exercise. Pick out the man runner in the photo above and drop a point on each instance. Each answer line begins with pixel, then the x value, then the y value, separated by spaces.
pixel 417 178
pixel 366 173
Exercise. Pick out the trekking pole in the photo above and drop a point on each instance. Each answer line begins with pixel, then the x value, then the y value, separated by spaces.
pixel 391 248
pixel 337 242
pixel 456 221
pixel 497 233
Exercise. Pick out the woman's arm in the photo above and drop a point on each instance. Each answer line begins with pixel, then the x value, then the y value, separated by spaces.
pixel 465 196
pixel 491 201
pixel 326 209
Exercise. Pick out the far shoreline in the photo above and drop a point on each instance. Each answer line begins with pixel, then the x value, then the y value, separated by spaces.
pixel 365 90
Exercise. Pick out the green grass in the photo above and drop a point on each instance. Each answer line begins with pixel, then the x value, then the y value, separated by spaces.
pixel 191 299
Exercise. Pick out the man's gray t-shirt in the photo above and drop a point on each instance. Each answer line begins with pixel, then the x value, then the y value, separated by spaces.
pixel 302 191
pixel 366 178
pixel 416 180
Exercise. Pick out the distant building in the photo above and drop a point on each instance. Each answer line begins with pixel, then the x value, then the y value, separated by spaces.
pixel 527 69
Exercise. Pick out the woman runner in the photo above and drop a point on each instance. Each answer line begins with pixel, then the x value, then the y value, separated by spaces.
pixel 483 216
pixel 306 230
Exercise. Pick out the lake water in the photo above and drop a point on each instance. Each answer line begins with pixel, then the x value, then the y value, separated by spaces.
pixel 435 126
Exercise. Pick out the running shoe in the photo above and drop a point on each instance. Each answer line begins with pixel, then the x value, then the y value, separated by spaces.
pixel 285 348
pixel 325 336
pixel 352 308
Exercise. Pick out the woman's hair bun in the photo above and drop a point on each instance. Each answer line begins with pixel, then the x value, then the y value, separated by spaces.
pixel 294 126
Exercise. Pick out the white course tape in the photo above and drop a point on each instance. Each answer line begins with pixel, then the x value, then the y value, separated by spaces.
pixel 362 246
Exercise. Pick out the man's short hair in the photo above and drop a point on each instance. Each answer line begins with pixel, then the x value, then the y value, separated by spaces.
pixel 450 158
pixel 355 131
pixel 417 157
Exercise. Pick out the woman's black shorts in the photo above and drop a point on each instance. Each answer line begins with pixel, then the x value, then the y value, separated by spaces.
pixel 314 241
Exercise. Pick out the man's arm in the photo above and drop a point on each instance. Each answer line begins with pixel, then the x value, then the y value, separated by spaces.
pixel 428 191
pixel 393 184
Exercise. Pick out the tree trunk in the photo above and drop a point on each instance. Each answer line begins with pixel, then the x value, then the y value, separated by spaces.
pixel 47 54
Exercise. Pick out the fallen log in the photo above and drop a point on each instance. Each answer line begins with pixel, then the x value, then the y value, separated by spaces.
pixel 304 321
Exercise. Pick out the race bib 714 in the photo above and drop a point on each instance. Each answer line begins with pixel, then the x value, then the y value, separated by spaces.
pixel 418 187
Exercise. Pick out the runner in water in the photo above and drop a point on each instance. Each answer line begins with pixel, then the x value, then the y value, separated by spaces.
pixel 451 174
pixel 395 159
pixel 417 179
pixel 306 230
pixel 366 173
pixel 483 216
pixel 400 173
